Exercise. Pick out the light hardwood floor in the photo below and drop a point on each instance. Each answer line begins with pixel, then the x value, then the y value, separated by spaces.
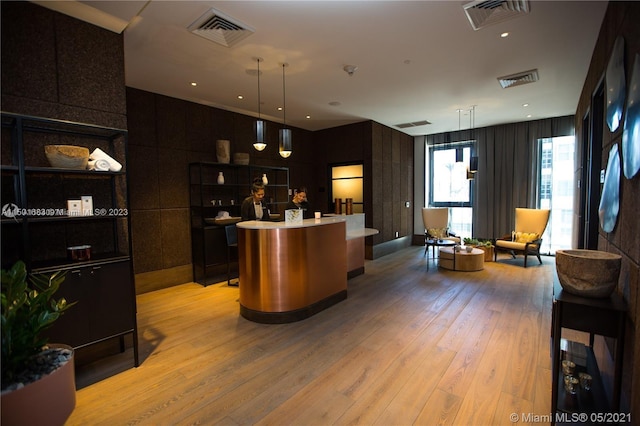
pixel 408 346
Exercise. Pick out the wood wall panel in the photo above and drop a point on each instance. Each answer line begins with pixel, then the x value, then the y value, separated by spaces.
pixel 58 67
pixel 144 184
pixel 621 19
pixel 90 66
pixel 171 122
pixel 28 69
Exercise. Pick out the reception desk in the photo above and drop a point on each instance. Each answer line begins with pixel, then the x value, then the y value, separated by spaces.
pixel 356 233
pixel 291 272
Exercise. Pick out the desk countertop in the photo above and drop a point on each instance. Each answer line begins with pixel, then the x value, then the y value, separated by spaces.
pixel 351 233
pixel 258 224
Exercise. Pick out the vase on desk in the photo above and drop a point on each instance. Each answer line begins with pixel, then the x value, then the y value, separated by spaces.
pixel 349 206
pixel 220 178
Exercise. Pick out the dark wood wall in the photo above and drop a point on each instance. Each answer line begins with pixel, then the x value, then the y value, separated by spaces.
pixel 387 156
pixel 621 19
pixel 58 67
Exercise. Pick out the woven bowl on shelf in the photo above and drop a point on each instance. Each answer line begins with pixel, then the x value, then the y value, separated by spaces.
pixel 67 156
pixel 241 158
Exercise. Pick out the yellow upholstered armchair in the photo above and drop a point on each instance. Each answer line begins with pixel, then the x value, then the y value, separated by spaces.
pixel 526 238
pixel 436 225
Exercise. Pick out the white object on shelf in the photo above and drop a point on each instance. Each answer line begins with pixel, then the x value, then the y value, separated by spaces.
pixel 264 179
pixel 86 202
pixel 74 207
pixel 98 165
pixel 220 178
pixel 99 154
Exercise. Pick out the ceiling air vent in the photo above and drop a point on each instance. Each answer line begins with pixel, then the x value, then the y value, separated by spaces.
pixel 518 79
pixel 412 124
pixel 220 28
pixel 483 13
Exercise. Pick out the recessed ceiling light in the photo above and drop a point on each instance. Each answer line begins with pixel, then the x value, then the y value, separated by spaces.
pixel 240 97
pixel 334 103
pixel 279 108
pixel 525 105
pixel 193 83
pixel 504 35
pixel 308 117
pixel 528 115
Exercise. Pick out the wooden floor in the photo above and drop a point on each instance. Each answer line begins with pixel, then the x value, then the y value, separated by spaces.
pixel 408 346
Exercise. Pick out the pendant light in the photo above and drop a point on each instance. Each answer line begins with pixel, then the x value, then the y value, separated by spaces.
pixel 459 152
pixel 259 126
pixel 284 134
pixel 473 162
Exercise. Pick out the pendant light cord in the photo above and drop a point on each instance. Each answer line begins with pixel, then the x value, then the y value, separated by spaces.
pixel 258 59
pixel 284 100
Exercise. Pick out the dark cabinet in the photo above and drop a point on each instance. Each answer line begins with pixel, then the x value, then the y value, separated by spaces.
pixel 208 198
pixel 37 226
pixel 103 308
pixel 605 317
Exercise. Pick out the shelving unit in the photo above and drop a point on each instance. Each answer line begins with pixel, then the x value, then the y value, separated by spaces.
pixel 605 317
pixel 37 229
pixel 208 238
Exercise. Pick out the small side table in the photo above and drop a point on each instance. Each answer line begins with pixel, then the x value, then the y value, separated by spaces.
pixel 435 243
pixel 605 317
pixel 462 260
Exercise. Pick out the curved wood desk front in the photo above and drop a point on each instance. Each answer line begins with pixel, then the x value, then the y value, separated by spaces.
pixel 291 272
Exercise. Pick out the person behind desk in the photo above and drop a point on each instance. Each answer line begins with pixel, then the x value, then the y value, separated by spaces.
pixel 299 201
pixel 252 207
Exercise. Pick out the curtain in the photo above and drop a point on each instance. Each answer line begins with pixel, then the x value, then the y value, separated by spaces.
pixel 507 169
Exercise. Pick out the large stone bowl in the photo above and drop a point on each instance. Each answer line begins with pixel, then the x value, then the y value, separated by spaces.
pixel 588 273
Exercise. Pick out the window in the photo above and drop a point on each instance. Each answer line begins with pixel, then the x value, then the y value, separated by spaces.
pixel 448 185
pixel 555 190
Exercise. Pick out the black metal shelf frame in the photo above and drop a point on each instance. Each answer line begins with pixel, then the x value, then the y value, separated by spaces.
pixel 27 134
pixel 208 240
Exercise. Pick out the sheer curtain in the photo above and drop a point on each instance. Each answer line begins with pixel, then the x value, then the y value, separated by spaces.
pixel 507 169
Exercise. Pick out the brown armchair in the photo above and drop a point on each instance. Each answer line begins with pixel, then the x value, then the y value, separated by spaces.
pixel 527 235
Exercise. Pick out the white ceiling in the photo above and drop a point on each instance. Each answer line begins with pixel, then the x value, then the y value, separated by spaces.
pixel 417 60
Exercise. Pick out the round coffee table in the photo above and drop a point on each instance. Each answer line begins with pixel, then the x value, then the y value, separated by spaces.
pixel 461 260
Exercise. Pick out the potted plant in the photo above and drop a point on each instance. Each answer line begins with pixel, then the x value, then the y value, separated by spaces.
pixel 38 380
pixel 484 245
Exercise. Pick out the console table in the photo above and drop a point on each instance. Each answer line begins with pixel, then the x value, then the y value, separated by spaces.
pixel 605 317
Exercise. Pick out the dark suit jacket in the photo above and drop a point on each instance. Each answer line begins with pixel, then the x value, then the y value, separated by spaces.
pixel 248 212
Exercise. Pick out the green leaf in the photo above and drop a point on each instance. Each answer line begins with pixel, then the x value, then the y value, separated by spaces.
pixel 28 308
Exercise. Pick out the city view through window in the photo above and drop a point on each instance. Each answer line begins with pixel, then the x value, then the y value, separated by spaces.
pixel 447 186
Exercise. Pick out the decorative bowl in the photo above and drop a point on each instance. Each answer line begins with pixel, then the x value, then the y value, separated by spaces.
pixel 588 273
pixel 241 158
pixel 67 156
